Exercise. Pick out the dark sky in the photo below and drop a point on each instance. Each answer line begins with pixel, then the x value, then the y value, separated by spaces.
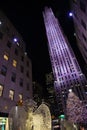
pixel 28 20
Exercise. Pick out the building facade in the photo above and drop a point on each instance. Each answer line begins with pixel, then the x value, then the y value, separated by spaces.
pixel 37 92
pixel 66 70
pixel 51 96
pixel 79 10
pixel 15 67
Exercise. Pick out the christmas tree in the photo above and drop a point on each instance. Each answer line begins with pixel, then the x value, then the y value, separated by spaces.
pixel 74 108
pixel 84 115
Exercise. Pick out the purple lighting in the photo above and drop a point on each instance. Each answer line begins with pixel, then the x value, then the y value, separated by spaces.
pixel 66 70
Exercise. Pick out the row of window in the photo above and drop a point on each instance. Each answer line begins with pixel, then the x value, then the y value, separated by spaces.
pixel 11 93
pixel 13 76
pixel 6 57
pixel 9 44
pixel 14 63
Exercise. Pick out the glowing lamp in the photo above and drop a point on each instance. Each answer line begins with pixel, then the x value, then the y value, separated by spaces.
pixel 70 90
pixel 15 39
pixel 70 14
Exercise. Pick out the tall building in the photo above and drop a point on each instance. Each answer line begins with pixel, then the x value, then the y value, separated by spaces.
pixel 66 70
pixel 37 92
pixel 51 96
pixel 79 11
pixel 15 67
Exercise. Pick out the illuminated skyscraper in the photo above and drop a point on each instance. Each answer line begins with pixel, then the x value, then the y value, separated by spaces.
pixel 66 70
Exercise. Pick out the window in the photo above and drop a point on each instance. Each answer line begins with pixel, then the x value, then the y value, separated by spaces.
pixel 1 35
pixel 16 51
pixel 9 44
pixel 11 94
pixel 82 6
pixel 74 1
pixel 7 30
pixel 75 14
pixel 27 86
pixel 6 56
pixel 84 37
pixel 14 63
pixel 22 69
pixel 20 97
pixel 22 58
pixel 27 74
pixel 3 70
pixel 27 63
pixel 13 77
pixel 83 24
pixel 1 90
pixel 21 82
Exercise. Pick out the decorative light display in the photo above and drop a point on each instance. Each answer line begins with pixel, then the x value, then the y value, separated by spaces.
pixel 66 70
pixel 74 108
pixel 42 116
pixel 36 119
pixel 17 117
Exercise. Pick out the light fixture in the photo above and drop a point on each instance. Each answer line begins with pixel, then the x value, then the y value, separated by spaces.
pixel 15 39
pixel 70 90
pixel 70 14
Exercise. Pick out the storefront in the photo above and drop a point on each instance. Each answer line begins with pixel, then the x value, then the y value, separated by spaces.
pixel 4 123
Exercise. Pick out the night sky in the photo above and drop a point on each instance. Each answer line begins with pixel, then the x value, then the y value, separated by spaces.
pixel 28 20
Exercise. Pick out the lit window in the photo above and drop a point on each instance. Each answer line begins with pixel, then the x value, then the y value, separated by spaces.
pixel 14 63
pixel 11 94
pixel 6 56
pixel 20 97
pixel 1 90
